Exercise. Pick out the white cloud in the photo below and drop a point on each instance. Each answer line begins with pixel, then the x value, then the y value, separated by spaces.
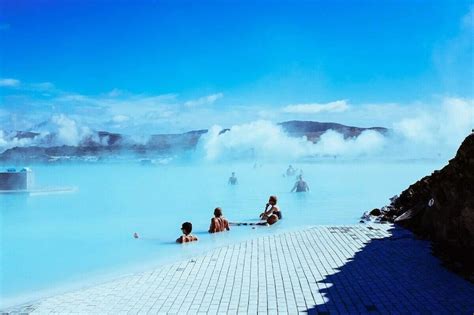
pixel 115 93
pixel 120 118
pixel 453 58
pixel 468 19
pixel 43 86
pixel 442 125
pixel 205 100
pixel 8 82
pixel 314 108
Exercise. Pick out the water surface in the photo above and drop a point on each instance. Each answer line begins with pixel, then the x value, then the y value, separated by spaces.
pixel 51 243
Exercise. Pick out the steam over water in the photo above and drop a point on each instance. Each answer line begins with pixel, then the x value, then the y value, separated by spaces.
pixel 50 243
pixel 100 107
pixel 54 242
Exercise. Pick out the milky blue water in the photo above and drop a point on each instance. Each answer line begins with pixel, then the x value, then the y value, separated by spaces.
pixel 50 243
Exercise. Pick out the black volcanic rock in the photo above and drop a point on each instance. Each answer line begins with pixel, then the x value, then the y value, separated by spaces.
pixel 313 129
pixel 375 212
pixel 440 207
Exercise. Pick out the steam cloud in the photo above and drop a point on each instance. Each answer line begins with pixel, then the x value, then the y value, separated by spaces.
pixel 426 134
pixel 68 131
pixel 58 130
pixel 436 132
pixel 265 140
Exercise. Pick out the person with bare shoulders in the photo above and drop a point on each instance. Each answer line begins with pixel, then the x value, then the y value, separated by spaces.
pixel 272 212
pixel 300 185
pixel 186 228
pixel 218 223
pixel 233 179
pixel 269 216
pixel 290 171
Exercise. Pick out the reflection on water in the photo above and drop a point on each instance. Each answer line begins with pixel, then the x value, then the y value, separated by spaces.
pixel 52 240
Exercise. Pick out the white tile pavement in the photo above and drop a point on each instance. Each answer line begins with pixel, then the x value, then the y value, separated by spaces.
pixel 337 270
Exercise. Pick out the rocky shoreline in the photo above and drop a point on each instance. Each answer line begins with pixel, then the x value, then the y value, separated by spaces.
pixel 440 208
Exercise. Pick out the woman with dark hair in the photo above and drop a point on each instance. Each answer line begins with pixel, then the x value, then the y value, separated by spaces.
pixel 186 228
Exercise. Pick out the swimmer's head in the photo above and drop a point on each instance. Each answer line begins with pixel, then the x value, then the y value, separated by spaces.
pixel 187 228
pixel 233 173
pixel 218 212
pixel 300 177
pixel 273 200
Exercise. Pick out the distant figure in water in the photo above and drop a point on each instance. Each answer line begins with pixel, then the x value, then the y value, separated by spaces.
pixel 300 185
pixel 290 171
pixel 186 228
pixel 233 179
pixel 218 223
pixel 135 235
pixel 269 216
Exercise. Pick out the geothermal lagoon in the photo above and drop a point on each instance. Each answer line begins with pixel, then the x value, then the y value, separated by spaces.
pixel 55 242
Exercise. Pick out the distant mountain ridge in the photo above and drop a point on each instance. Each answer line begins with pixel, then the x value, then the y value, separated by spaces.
pixel 103 143
pixel 313 129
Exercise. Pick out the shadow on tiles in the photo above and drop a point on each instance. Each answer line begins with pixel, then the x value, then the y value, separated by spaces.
pixel 396 274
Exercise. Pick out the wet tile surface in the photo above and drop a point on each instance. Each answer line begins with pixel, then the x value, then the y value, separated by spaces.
pixel 358 269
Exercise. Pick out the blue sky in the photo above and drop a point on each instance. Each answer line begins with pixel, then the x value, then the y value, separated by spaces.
pixel 161 63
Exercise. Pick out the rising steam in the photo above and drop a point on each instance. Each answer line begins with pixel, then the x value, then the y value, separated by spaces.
pixel 265 140
pixel 430 133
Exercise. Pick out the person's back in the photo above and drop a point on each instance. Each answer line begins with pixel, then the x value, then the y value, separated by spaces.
pixel 290 171
pixel 186 228
pixel 300 185
pixel 218 223
pixel 233 179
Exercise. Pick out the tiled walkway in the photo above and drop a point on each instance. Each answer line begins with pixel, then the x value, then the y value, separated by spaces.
pixel 340 270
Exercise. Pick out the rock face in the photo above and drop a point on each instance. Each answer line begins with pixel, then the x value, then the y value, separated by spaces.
pixel 313 129
pixel 440 207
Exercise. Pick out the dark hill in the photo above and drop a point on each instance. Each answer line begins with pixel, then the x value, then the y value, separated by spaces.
pixel 313 129
pixel 440 207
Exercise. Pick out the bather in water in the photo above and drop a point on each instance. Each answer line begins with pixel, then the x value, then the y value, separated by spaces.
pixel 233 179
pixel 269 216
pixel 186 228
pixel 300 185
pixel 218 223
pixel 290 171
